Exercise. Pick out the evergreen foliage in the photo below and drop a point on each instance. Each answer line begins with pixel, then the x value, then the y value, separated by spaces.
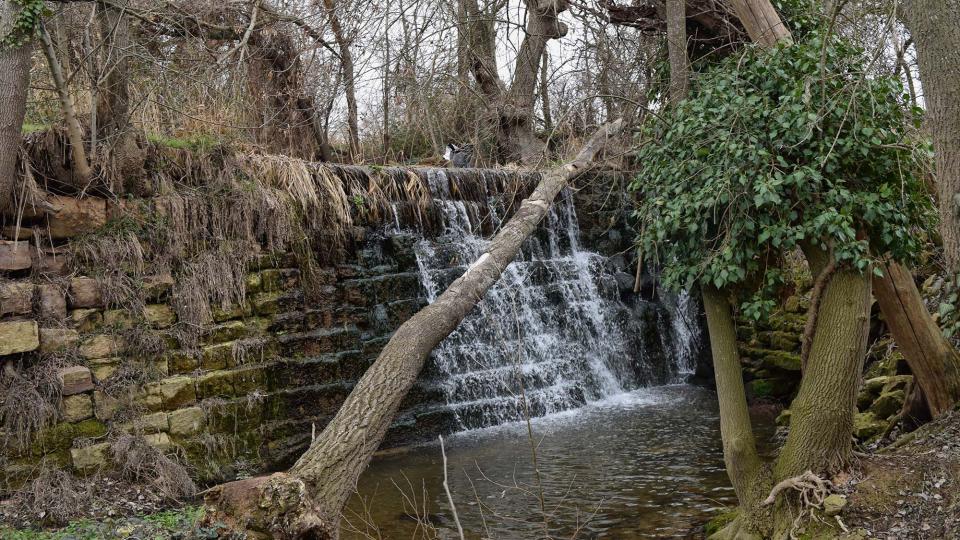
pixel 775 148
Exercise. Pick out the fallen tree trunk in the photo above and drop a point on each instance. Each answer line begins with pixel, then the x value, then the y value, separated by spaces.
pixel 306 501
pixel 930 356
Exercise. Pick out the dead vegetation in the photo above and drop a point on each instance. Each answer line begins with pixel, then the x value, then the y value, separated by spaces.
pixel 29 400
pixel 139 462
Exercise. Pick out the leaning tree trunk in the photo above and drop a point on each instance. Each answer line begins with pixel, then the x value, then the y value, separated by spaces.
pixel 931 358
pixel 14 80
pixel 744 467
pixel 933 26
pixel 306 502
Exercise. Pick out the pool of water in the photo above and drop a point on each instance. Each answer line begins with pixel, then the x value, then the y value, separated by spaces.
pixel 647 464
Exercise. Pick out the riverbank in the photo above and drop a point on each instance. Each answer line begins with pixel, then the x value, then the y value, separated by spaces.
pixel 614 469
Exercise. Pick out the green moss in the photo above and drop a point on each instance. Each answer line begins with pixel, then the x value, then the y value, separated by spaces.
pixel 33 128
pixel 719 521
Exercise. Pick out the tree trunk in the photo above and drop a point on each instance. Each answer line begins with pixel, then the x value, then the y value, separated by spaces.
pixel 113 107
pixel 349 80
pixel 821 419
pixel 931 358
pixel 14 81
pixel 306 501
pixel 78 155
pixel 761 21
pixel 516 140
pixel 933 26
pixel 545 91
pixel 746 471
pixel 677 49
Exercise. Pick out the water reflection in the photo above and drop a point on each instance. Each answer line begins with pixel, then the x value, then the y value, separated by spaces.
pixel 647 464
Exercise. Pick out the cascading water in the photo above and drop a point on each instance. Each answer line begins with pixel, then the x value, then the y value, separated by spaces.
pixel 553 333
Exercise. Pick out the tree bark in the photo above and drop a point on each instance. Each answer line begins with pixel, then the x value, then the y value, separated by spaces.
pixel 14 81
pixel 677 50
pixel 78 155
pixel 761 21
pixel 931 358
pixel 349 80
pixel 743 464
pixel 821 419
pixel 514 106
pixel 933 26
pixel 325 476
pixel 113 107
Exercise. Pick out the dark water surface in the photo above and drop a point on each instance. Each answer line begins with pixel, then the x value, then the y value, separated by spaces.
pixel 647 464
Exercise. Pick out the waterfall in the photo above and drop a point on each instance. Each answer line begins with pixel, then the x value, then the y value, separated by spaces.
pixel 553 333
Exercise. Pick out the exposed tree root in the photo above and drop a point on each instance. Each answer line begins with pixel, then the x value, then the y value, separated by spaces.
pixel 274 506
pixel 813 490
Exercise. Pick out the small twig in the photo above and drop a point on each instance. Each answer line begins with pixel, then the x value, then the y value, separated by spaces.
pixel 446 487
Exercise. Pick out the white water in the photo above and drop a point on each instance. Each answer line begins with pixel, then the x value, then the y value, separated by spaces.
pixel 553 334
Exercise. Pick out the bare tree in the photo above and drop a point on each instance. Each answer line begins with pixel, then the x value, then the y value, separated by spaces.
pixel 937 39
pixel 513 105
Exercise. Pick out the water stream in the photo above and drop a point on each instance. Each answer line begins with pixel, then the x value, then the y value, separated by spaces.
pixel 624 451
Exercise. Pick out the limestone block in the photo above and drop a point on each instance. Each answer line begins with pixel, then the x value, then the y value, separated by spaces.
pixel 148 423
pixel 103 368
pixel 75 380
pixel 100 346
pixel 78 407
pixel 90 458
pixel 215 383
pixel 867 425
pixel 86 320
pixel 71 216
pixel 18 337
pixel 16 298
pixel 14 255
pixel 232 312
pixel 228 331
pixel 56 339
pixel 53 303
pixel 51 261
pixel 161 441
pixel 219 356
pixel 119 319
pixel 834 504
pixel 176 392
pixel 157 287
pixel 104 406
pixel 888 404
pixel 181 361
pixel 159 315
pixel 85 293
pixel 187 421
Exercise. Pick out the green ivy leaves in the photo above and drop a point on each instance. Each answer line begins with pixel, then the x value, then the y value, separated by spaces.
pixel 776 148
pixel 25 27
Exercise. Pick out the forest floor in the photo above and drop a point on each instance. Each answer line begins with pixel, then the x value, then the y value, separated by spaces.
pixel 909 490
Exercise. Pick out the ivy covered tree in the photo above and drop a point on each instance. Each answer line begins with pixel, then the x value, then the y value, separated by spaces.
pixel 779 149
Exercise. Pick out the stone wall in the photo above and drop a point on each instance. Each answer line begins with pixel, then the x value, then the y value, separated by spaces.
pixel 243 399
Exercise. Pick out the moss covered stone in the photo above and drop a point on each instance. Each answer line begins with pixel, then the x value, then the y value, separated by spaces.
pixel 867 425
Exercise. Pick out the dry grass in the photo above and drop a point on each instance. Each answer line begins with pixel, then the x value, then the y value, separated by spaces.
pixel 55 496
pixel 29 400
pixel 137 461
